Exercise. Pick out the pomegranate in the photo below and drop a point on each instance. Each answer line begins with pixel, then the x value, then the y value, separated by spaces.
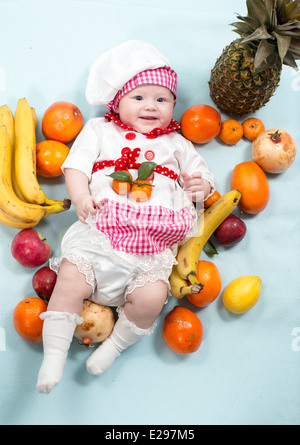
pixel 274 150
pixel 98 323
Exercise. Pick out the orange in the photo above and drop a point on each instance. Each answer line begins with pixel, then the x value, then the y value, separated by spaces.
pixel 182 330
pixel 26 319
pixel 252 182
pixel 213 198
pixel 122 187
pixel 207 274
pixel 141 190
pixel 200 123
pixel 62 121
pixel 252 128
pixel 231 131
pixel 50 155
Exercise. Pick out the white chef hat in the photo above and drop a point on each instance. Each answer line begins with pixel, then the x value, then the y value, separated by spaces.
pixel 117 66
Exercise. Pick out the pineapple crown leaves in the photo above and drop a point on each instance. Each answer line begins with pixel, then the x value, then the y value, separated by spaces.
pixel 272 28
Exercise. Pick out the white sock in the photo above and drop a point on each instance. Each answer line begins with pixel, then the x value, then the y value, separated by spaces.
pixel 124 334
pixel 58 331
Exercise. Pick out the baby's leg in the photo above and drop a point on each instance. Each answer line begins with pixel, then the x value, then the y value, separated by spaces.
pixel 137 318
pixel 60 321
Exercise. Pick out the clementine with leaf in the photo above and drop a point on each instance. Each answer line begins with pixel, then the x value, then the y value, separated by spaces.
pixel 141 191
pixel 122 186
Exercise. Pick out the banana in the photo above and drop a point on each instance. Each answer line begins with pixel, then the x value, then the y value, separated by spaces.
pixel 7 119
pixel 189 253
pixel 7 221
pixel 180 287
pixel 25 156
pixel 15 209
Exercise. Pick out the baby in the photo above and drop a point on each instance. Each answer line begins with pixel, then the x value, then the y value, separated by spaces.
pixel 121 251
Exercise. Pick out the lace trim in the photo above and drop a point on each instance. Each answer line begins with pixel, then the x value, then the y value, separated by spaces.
pixel 83 266
pixel 131 325
pixel 55 315
pixel 152 276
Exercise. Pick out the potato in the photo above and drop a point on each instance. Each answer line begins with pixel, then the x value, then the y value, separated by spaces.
pixel 98 323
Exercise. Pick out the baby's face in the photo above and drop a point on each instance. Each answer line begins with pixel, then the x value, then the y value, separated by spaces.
pixel 147 107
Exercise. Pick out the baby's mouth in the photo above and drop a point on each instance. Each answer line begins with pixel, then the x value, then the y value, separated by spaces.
pixel 149 118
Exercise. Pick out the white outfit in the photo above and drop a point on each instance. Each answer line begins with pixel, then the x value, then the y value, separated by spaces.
pixel 109 265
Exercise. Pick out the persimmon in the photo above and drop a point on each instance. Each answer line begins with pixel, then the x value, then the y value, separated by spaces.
pixel 252 128
pixel 50 155
pixel 231 131
pixel 62 121
pixel 251 180
pixel 200 123
pixel 182 330
pixel 213 198
pixel 207 274
pixel 26 319
pixel 141 190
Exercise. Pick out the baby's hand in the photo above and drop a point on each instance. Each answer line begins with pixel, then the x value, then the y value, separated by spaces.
pixel 195 186
pixel 86 204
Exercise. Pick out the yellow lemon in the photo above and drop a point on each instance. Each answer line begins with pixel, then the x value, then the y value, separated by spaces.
pixel 242 294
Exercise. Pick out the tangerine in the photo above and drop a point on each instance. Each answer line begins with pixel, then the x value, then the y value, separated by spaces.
pixel 213 198
pixel 200 123
pixel 182 330
pixel 62 121
pixel 207 274
pixel 26 319
pixel 231 132
pixel 50 155
pixel 141 190
pixel 122 187
pixel 252 128
pixel 253 184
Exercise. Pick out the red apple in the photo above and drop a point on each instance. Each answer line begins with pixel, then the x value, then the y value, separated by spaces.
pixel 30 249
pixel 43 282
pixel 231 230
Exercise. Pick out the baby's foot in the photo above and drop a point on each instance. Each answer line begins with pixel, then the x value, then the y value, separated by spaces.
pixel 50 375
pixel 102 358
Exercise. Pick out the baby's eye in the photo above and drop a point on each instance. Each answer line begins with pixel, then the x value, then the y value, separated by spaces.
pixel 138 98
pixel 160 99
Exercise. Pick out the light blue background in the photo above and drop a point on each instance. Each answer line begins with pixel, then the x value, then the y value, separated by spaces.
pixel 247 368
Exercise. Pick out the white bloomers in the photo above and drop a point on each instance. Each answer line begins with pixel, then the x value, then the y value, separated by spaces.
pixel 112 274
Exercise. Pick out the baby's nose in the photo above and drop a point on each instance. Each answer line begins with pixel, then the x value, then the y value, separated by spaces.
pixel 150 105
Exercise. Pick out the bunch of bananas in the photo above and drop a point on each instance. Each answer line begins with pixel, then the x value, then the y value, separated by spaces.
pixel 23 204
pixel 183 280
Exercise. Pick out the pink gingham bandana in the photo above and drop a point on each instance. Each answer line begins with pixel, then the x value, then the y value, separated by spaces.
pixel 143 230
pixel 165 77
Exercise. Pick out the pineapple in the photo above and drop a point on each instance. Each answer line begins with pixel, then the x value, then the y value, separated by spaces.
pixel 248 71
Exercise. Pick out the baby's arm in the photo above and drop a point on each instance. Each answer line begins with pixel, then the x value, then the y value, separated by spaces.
pixel 196 188
pixel 78 187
